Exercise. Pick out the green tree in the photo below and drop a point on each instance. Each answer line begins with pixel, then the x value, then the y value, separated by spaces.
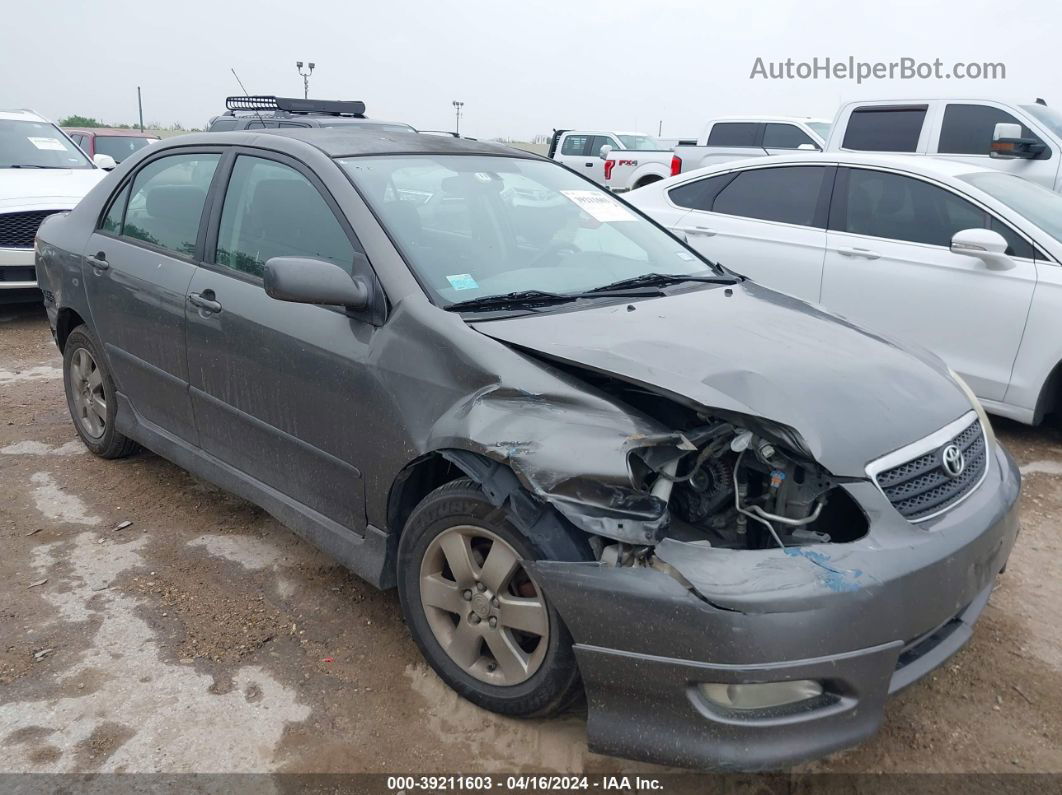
pixel 79 121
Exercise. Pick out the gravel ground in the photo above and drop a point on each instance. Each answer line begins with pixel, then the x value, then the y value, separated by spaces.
pixel 204 636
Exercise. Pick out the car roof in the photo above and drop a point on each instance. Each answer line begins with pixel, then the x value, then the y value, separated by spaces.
pixel 111 131
pixel 804 119
pixel 921 164
pixel 348 141
pixel 22 115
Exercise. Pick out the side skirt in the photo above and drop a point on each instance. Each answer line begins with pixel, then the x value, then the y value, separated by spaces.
pixel 366 555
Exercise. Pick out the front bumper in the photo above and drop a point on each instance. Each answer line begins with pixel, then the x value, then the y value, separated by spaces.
pixel 644 641
pixel 17 270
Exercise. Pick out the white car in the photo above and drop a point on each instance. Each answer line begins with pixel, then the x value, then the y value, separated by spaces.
pixel 960 259
pixel 41 172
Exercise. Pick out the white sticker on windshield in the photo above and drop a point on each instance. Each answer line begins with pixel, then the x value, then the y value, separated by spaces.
pixel 600 206
pixel 48 143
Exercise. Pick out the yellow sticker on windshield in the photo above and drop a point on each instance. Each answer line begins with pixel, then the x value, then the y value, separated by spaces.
pixel 599 205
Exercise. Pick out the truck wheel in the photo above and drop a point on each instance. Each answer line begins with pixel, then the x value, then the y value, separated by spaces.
pixel 479 618
pixel 90 396
pixel 647 181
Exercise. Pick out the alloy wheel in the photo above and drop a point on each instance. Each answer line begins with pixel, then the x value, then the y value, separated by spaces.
pixel 482 606
pixel 87 396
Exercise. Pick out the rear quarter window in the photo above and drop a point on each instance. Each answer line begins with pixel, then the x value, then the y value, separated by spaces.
pixel 884 129
pixel 788 195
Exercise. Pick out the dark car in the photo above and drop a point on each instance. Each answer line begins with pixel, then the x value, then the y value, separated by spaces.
pixel 589 459
pixel 267 112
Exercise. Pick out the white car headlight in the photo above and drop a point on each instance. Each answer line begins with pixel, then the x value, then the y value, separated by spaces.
pixel 982 415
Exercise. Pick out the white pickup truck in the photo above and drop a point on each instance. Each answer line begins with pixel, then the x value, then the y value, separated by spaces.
pixel 742 137
pixel 620 161
pixel 1024 140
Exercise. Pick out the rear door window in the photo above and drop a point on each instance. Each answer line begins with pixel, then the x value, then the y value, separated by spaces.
pixel 968 129
pixel 735 134
pixel 166 202
pixel 575 144
pixel 787 195
pixel 885 129
pixel 272 210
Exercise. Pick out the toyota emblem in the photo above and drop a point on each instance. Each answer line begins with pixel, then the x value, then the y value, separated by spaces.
pixel 953 461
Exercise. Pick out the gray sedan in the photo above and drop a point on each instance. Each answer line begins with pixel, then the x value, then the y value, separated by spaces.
pixel 591 461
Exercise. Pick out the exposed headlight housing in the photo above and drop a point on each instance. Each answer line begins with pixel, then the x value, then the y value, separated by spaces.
pixel 982 415
pixel 760 695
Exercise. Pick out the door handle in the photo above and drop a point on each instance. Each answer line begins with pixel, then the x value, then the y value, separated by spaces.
pixel 98 261
pixel 699 230
pixel 205 301
pixel 866 253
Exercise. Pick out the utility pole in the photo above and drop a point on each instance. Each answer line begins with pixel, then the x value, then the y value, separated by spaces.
pixel 305 78
pixel 457 108
pixel 140 108
pixel 660 128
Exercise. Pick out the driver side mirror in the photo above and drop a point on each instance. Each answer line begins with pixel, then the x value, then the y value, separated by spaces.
pixel 1007 143
pixel 988 246
pixel 604 151
pixel 106 162
pixel 809 148
pixel 303 280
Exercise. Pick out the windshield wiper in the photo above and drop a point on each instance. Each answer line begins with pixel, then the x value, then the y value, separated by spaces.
pixel 661 280
pixel 32 165
pixel 515 300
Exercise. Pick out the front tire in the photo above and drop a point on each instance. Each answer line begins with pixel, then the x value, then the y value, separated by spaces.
pixel 479 618
pixel 91 397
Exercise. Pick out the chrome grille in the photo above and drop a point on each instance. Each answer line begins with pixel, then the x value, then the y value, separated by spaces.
pixel 921 487
pixel 17 230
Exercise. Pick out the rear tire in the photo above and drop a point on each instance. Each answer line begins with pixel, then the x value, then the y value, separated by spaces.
pixel 92 398
pixel 481 622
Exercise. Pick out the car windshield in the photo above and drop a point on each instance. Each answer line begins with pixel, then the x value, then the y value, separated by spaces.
pixel 473 226
pixel 643 142
pixel 1036 203
pixel 37 144
pixel 1049 117
pixel 121 146
pixel 821 128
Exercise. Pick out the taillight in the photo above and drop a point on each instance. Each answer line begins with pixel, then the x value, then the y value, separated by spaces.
pixel 609 165
pixel 676 165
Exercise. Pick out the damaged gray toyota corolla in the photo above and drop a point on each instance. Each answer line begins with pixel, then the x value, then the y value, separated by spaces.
pixel 590 460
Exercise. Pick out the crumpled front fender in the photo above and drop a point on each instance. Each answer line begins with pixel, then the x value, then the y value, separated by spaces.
pixel 569 449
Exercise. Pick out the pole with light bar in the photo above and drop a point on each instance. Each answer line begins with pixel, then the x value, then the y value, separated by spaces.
pixel 305 78
pixel 457 108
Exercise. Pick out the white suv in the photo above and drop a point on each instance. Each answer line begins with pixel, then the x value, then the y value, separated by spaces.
pixel 41 172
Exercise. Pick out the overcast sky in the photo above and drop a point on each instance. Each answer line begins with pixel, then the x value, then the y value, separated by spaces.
pixel 521 68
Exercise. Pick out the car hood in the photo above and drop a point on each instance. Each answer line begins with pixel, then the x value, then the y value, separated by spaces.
pixel 852 396
pixel 45 188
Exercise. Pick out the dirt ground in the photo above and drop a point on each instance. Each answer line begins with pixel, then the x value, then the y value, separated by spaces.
pixel 204 636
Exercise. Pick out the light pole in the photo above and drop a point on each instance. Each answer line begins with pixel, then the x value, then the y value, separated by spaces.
pixel 457 108
pixel 305 78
